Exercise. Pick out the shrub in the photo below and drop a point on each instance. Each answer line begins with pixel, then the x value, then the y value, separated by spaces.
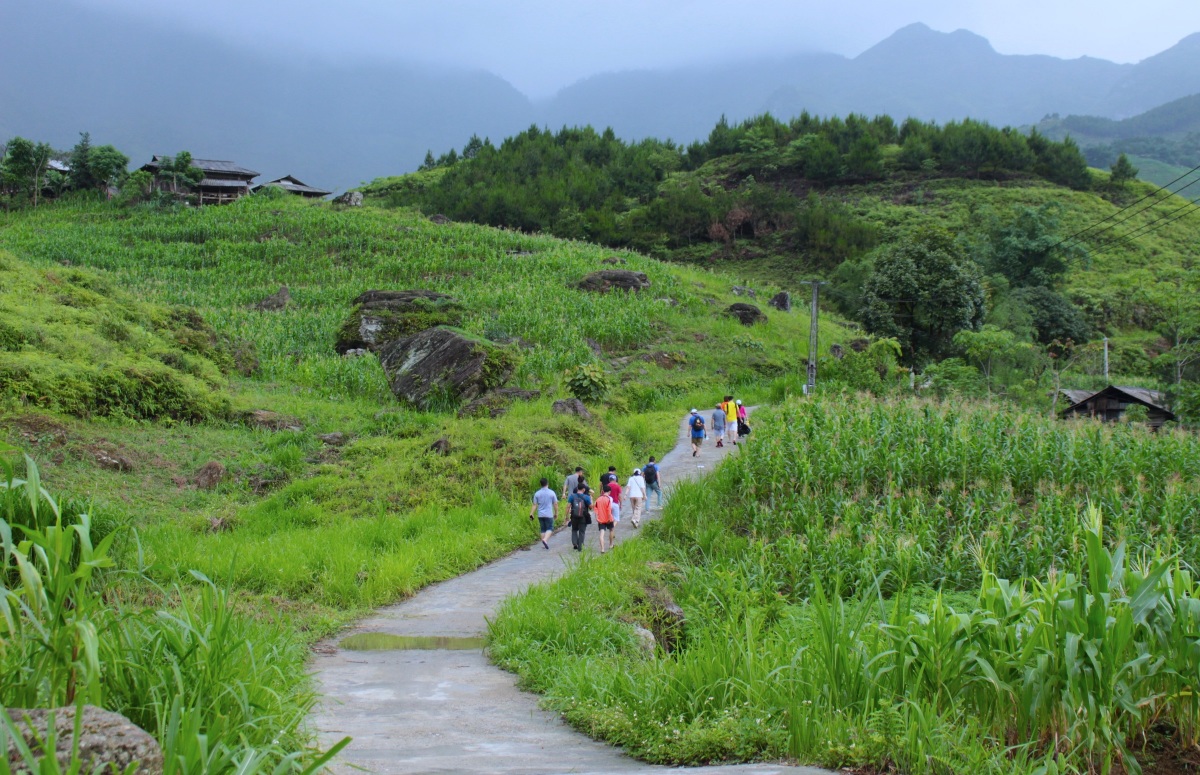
pixel 588 382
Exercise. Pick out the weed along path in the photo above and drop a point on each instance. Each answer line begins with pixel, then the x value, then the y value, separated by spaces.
pixel 449 710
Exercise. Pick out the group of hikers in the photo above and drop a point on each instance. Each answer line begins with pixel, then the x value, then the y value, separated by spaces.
pixel 583 502
pixel 728 421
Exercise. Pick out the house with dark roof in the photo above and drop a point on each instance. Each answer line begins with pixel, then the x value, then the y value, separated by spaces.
pixel 1110 404
pixel 295 186
pixel 224 181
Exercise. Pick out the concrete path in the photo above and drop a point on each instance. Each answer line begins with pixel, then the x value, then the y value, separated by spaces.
pixel 453 711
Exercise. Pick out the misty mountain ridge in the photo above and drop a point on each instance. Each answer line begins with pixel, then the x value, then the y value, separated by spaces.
pixel 149 89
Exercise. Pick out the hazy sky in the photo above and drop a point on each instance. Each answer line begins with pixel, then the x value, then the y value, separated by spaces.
pixel 542 45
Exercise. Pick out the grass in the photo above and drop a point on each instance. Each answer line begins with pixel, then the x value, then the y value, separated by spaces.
pixel 894 584
pixel 299 536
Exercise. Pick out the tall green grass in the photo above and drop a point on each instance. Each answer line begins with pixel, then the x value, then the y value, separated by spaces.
pixel 221 692
pixel 896 585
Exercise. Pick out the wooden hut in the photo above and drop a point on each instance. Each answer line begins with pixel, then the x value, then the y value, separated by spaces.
pixel 224 181
pixel 295 186
pixel 1110 404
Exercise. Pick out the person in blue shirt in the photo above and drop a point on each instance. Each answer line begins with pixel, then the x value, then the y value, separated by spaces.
pixel 696 423
pixel 545 506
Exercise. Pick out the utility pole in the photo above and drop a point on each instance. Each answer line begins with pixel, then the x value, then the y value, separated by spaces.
pixel 811 386
pixel 1106 359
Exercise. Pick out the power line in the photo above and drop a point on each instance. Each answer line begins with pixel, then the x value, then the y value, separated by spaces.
pixel 1115 224
pixel 1145 229
pixel 1163 190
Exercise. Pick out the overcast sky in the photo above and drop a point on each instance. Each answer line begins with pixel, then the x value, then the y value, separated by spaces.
pixel 542 45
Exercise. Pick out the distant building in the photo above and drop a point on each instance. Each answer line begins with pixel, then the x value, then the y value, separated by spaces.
pixel 294 185
pixel 1110 404
pixel 223 181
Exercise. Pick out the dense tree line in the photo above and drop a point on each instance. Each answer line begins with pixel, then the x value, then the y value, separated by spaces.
pixel 747 179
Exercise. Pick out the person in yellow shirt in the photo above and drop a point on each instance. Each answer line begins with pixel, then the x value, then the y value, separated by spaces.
pixel 730 409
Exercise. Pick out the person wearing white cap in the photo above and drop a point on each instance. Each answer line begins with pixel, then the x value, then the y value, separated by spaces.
pixel 635 487
pixel 696 423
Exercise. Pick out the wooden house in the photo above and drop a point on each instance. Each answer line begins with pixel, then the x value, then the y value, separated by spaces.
pixel 1110 404
pixel 295 186
pixel 223 181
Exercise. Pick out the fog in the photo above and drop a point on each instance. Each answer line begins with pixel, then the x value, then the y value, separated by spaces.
pixel 541 46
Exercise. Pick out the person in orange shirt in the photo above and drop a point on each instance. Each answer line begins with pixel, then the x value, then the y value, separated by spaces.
pixel 604 520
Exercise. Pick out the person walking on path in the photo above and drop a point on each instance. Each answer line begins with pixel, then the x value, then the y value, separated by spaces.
pixel 718 424
pixel 730 418
pixel 743 427
pixel 572 482
pixel 614 492
pixel 696 423
pixel 635 486
pixel 545 506
pixel 579 505
pixel 604 521
pixel 608 476
pixel 653 484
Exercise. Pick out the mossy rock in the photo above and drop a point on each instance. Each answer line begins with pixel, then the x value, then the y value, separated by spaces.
pixel 440 368
pixel 382 317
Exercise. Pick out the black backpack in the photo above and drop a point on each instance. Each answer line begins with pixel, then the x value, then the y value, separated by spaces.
pixel 579 509
pixel 697 423
pixel 650 473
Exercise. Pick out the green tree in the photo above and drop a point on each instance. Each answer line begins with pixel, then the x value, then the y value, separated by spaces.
pixel 429 163
pixel 987 347
pixel 1123 171
pixel 864 159
pixel 107 166
pixel 921 292
pixel 1052 315
pixel 1027 247
pixel 180 170
pixel 80 161
pixel 25 164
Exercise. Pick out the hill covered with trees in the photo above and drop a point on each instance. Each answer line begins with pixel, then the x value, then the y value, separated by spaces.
pixel 1042 246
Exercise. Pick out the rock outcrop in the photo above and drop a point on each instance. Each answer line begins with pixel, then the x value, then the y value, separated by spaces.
pixel 350 199
pixel 107 741
pixel 614 279
pixel 439 366
pixel 572 406
pixel 439 219
pixel 276 301
pixel 781 301
pixel 381 317
pixel 746 314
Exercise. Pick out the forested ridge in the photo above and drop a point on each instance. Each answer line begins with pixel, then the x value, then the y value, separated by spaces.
pixel 923 230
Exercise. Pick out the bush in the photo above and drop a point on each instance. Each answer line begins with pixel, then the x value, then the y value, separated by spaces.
pixel 588 382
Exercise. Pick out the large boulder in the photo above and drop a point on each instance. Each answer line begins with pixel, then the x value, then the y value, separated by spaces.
pixel 620 279
pixel 746 314
pixel 380 317
pixel 781 301
pixel 107 741
pixel 439 366
pixel 350 199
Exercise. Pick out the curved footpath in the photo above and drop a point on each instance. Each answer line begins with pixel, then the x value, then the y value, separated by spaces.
pixel 453 711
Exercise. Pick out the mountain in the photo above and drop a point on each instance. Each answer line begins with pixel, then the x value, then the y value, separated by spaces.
pixel 1163 143
pixel 150 88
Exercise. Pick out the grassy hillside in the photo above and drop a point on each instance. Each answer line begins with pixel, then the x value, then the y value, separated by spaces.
pixel 304 532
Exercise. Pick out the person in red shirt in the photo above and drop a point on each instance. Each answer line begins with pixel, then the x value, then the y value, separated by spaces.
pixel 614 492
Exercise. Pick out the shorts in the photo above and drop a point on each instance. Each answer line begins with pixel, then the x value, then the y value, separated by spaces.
pixel 616 510
pixel 604 526
pixel 546 524
pixel 697 439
